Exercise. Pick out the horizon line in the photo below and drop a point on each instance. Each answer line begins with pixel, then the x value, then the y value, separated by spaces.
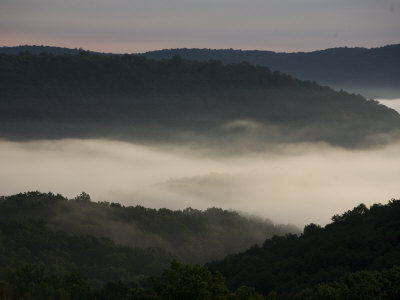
pixel 218 49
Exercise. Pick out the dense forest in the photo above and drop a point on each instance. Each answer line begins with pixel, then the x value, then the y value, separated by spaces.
pixel 32 241
pixel 132 98
pixel 357 256
pixel 191 235
pixel 360 285
pixel 372 72
pixel 176 282
pixel 186 282
pixel 362 239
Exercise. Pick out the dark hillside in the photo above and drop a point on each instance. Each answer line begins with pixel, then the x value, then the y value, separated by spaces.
pixel 373 72
pixel 360 239
pixel 192 235
pixel 133 98
pixel 29 241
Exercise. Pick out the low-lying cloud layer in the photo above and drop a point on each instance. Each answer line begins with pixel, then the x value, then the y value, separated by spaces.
pixel 295 184
pixel 392 103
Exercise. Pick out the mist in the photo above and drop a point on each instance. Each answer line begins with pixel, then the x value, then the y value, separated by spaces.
pixel 392 103
pixel 291 183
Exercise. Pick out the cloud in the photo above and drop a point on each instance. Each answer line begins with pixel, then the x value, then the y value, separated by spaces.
pixel 216 189
pixel 243 125
pixel 291 183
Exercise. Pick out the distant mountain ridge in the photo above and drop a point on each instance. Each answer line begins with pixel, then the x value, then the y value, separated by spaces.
pixel 35 49
pixel 373 72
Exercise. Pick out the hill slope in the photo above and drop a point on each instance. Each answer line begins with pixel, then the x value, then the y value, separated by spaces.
pixel 34 49
pixel 132 98
pixel 360 239
pixel 191 235
pixel 372 72
pixel 25 241
pixel 357 256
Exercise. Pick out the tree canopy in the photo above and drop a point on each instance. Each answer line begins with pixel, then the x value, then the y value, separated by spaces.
pixel 192 235
pixel 133 98
pixel 359 239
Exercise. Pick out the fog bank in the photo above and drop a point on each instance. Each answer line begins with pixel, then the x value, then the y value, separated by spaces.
pixel 295 184
pixel 392 103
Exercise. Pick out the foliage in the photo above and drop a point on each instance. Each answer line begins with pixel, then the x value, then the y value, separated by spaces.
pixel 177 282
pixel 364 285
pixel 192 235
pixel 354 257
pixel 353 68
pixel 89 74
pixel 356 68
pixel 360 239
pixel 189 282
pixel 28 241
pixel 33 282
pixel 132 98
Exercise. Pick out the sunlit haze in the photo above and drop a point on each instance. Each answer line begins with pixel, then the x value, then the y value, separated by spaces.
pixel 295 184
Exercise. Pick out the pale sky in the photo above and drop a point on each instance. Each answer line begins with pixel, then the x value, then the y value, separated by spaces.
pixel 127 26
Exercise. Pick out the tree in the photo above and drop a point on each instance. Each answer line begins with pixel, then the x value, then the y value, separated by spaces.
pixel 189 282
pixel 83 197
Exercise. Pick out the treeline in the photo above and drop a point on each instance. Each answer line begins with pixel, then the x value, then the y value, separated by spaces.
pixel 191 235
pixel 371 71
pixel 181 281
pixel 374 71
pixel 362 239
pixel 132 98
pixel 86 74
pixel 360 285
pixel 36 49
pixel 357 256
pixel 176 282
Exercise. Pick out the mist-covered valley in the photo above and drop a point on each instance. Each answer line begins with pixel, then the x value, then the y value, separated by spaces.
pixel 290 183
pixel 202 150
pixel 114 166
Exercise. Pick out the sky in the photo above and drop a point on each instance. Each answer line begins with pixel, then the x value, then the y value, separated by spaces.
pixel 131 26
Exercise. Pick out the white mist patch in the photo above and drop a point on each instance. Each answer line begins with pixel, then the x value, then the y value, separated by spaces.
pixel 295 184
pixel 392 103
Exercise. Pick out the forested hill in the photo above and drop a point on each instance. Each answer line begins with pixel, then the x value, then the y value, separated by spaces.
pixel 360 239
pixel 88 74
pixel 357 256
pixel 31 241
pixel 133 98
pixel 33 49
pixel 191 235
pixel 372 72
